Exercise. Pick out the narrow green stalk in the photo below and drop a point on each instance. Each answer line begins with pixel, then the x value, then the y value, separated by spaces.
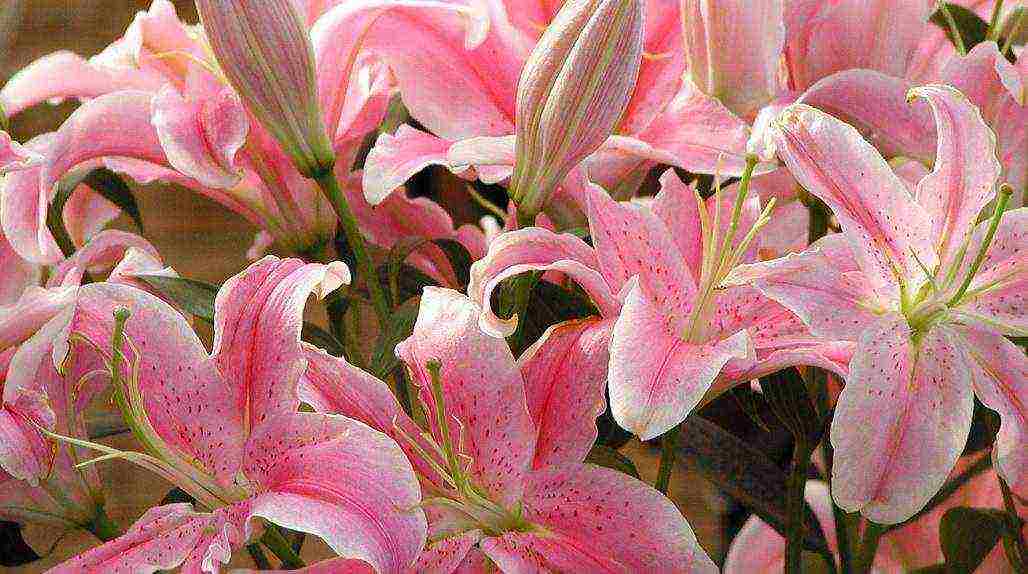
pixel 795 504
pixel 667 459
pixel 1003 197
pixel 869 547
pixel 1015 30
pixel 993 33
pixel 958 40
pixel 330 186
pixel 1013 542
pixel 281 548
pixel 103 527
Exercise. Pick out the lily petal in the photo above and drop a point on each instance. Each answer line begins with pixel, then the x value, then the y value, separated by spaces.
pixel 1000 289
pixel 630 241
pixel 592 517
pixel 258 316
pixel 396 158
pixel 966 169
pixel 657 378
pixel 535 248
pixel 1001 382
pixel 565 374
pixel 876 104
pixel 889 230
pixel 902 420
pixel 482 388
pixel 342 481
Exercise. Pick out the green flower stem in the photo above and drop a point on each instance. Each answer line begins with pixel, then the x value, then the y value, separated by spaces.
pixel 330 186
pixel 103 527
pixel 795 504
pixel 993 33
pixel 281 548
pixel 667 459
pixel 869 547
pixel 954 30
pixel 1013 542
pixel 259 558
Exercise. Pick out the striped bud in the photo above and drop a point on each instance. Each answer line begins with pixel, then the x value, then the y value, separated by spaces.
pixel 573 91
pixel 263 48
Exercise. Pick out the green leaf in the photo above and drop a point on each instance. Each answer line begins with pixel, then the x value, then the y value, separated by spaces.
pixel 401 325
pixel 410 281
pixel 607 457
pixel 789 399
pixel 745 474
pixel 322 339
pixel 197 299
pixel 968 535
pixel 114 189
pixel 547 305
pixel 194 297
pixel 459 258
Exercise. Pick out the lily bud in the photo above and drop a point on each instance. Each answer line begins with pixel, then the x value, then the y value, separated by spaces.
pixel 573 91
pixel 263 48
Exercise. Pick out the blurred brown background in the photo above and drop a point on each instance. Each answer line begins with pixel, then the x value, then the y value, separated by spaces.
pixel 204 241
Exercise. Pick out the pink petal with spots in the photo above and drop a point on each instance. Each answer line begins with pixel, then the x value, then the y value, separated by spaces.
pixel 342 481
pixel 887 227
pixel 759 548
pixel 592 516
pixel 631 240
pixel 677 206
pixel 535 248
pixel 1000 378
pixel 1002 304
pixel 966 169
pixel 656 377
pixel 449 554
pixel 24 453
pixel 396 158
pixel 258 316
pixel 876 104
pixel 902 420
pixel 822 286
pixel 189 404
pixel 565 375
pixel 482 388
pixel 330 566
pixel 662 69
pixel 202 136
pixel 164 538
pixel 331 385
pixel 734 50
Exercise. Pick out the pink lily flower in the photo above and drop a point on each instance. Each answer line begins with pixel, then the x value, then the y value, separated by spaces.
pixel 926 294
pixel 482 61
pixel 40 482
pixel 758 548
pixel 224 426
pixel 655 275
pixel 500 457
pixel 158 109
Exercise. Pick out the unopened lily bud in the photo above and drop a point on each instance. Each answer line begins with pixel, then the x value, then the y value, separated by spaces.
pixel 573 91
pixel 263 48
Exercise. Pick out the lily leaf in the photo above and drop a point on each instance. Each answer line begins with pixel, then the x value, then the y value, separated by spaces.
pixel 114 189
pixel 745 474
pixel 968 535
pixel 605 456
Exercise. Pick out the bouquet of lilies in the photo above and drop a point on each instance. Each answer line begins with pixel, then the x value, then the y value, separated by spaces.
pixel 813 207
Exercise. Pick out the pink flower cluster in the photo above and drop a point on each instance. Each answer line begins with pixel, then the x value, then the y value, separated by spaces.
pixel 866 223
